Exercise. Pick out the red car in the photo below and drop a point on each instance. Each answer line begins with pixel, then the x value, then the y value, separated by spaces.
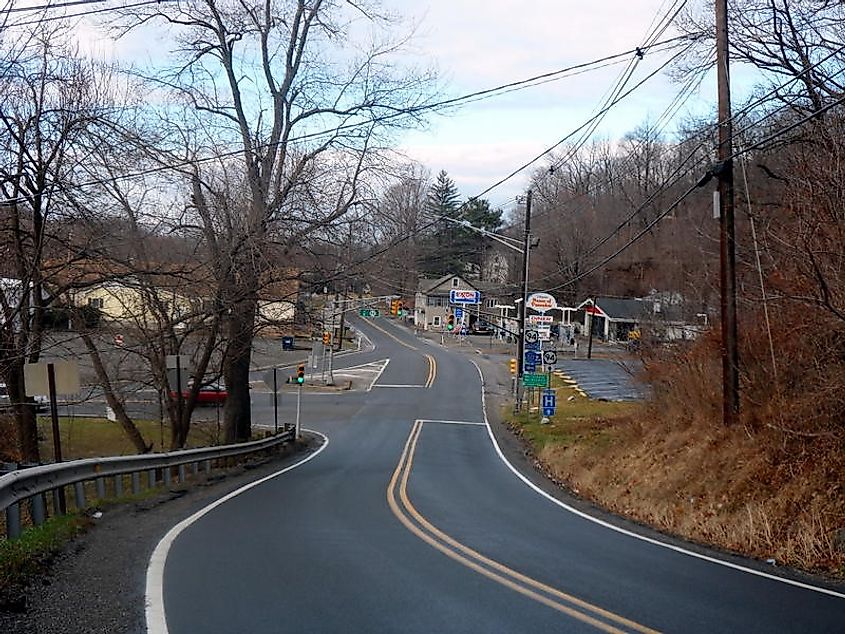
pixel 211 394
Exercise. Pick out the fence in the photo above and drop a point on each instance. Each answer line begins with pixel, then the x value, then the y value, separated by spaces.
pixel 32 484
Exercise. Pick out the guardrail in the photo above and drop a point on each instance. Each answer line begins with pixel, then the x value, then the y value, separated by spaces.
pixel 31 484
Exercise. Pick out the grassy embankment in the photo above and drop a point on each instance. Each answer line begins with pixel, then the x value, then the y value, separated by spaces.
pixel 717 486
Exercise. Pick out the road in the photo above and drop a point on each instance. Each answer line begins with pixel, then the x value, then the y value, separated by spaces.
pixel 410 520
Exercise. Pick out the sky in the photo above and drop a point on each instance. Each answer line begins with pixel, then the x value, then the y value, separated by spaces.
pixel 476 44
pixel 479 44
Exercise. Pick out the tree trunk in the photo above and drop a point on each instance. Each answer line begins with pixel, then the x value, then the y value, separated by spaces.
pixel 111 398
pixel 25 419
pixel 237 411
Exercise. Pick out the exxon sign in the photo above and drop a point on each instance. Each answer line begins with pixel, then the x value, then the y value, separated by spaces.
pixel 457 296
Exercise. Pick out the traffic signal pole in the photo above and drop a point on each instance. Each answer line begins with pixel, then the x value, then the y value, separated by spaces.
pixel 520 345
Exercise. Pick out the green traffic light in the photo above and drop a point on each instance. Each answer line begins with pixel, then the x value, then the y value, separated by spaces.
pixel 300 379
pixel 450 326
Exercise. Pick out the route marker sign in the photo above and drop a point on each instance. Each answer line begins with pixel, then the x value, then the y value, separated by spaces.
pixel 369 312
pixel 532 345
pixel 549 357
pixel 535 380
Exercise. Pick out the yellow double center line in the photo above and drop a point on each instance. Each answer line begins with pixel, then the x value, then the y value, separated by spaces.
pixel 552 597
pixel 432 364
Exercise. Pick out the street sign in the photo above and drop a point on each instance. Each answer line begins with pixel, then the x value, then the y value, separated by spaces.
pixel 369 312
pixel 529 366
pixel 544 332
pixel 548 400
pixel 532 336
pixel 459 313
pixel 458 296
pixel 274 385
pixel 532 345
pixel 549 357
pixel 535 380
pixel 548 411
pixel 531 356
pixel 36 382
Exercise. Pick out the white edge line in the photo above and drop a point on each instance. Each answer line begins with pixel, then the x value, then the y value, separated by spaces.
pixel 452 422
pixel 624 531
pixel 396 385
pixel 154 592
pixel 378 375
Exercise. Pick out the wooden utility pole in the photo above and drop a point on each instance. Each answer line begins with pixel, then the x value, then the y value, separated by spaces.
pixel 727 230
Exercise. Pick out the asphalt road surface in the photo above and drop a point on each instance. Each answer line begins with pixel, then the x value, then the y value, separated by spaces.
pixel 409 520
pixel 605 379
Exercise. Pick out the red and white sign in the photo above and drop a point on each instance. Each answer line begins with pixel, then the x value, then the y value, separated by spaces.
pixel 118 340
pixel 540 319
pixel 541 302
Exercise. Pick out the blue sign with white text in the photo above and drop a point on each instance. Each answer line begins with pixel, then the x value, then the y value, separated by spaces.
pixel 549 401
pixel 548 411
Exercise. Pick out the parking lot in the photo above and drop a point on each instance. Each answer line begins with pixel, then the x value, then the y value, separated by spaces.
pixel 605 379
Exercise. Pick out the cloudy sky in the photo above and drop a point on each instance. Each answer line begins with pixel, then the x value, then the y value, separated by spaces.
pixel 477 44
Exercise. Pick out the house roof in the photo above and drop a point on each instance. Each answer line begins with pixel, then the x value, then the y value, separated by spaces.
pixel 427 285
pixel 623 308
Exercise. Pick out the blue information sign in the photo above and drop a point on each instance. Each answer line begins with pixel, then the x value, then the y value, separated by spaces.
pixel 532 345
pixel 459 312
pixel 529 366
pixel 548 411
pixel 549 402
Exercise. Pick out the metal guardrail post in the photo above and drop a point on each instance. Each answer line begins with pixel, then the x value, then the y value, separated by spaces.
pixel 181 473
pixel 136 483
pixel 195 468
pixel 207 466
pixel 58 494
pixel 118 486
pixel 39 509
pixel 79 491
pixel 168 479
pixel 13 520
pixel 101 488
pixel 151 478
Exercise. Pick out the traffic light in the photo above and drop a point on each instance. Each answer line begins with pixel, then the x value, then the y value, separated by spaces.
pixel 300 373
pixel 399 308
pixel 327 337
pixel 394 307
pixel 450 323
pixel 513 366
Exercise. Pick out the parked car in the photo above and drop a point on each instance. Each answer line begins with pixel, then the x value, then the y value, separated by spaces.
pixel 481 328
pixel 210 394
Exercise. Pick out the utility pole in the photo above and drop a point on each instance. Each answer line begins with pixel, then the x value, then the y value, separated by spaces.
pixel 727 230
pixel 520 349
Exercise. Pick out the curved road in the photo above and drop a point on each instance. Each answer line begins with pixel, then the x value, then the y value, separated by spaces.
pixel 410 521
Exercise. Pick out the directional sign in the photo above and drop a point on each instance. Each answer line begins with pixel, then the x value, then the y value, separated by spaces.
pixel 369 312
pixel 532 345
pixel 549 357
pixel 532 336
pixel 459 313
pixel 548 411
pixel 532 356
pixel 529 366
pixel 457 296
pixel 535 380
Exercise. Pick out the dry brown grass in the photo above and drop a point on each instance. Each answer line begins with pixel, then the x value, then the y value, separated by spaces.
pixel 756 489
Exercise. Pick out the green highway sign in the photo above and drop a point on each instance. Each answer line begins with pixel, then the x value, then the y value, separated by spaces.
pixel 369 312
pixel 535 380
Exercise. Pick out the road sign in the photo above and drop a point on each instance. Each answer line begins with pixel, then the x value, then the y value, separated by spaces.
pixel 549 357
pixel 529 366
pixel 544 332
pixel 36 381
pixel 369 312
pixel 540 319
pixel 532 336
pixel 549 400
pixel 459 313
pixel 532 345
pixel 531 356
pixel 548 411
pixel 458 296
pixel 535 380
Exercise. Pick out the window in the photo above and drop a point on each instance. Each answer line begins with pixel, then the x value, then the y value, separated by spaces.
pixel 95 302
pixel 436 321
pixel 454 282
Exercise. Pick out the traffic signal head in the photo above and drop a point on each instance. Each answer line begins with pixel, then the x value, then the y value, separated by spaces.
pixel 327 337
pixel 300 373
pixel 399 307
pixel 450 323
pixel 394 306
pixel 513 366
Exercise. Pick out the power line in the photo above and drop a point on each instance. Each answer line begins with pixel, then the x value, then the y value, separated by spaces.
pixel 71 16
